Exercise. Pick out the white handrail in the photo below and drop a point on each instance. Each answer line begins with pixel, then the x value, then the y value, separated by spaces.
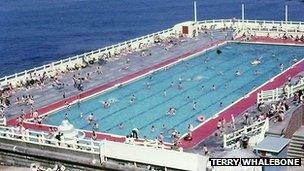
pixel 258 25
pixel 279 93
pixel 3 121
pixel 259 127
pixel 87 56
pixel 41 138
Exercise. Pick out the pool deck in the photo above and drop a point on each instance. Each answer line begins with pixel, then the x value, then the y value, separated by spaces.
pixel 49 99
pixel 201 132
pixel 215 143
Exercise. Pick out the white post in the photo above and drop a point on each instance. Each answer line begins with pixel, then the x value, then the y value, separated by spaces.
pixel 286 14
pixel 243 13
pixel 224 141
pixel 194 9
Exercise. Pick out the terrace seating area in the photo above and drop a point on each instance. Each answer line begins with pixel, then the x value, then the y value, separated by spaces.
pixel 278 112
pixel 40 90
pixel 293 38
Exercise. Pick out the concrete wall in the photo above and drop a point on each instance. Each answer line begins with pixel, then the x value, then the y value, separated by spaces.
pixel 150 155
pixel 23 154
pixel 296 121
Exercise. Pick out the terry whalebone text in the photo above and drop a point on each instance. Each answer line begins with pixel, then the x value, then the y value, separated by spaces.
pixel 255 161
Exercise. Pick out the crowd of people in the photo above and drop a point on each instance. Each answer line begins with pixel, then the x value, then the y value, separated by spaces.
pixel 39 167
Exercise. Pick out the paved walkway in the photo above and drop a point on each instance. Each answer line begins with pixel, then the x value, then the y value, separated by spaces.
pixel 10 168
pixel 112 70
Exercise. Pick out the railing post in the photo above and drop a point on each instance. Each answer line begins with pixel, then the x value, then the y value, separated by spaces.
pixel 266 125
pixel 224 141
pixel 245 129
pixel 92 146
pixel 288 92
pixel 52 66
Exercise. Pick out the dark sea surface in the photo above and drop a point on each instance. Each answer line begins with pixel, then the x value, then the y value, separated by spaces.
pixel 37 32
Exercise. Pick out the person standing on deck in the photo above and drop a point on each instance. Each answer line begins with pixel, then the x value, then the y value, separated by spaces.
pixel 205 150
pixel 135 133
pixel 232 121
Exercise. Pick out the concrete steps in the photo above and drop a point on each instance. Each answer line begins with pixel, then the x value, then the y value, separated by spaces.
pixel 295 146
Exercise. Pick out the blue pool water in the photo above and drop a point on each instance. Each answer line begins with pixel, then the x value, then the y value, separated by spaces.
pixel 151 106
pixel 34 32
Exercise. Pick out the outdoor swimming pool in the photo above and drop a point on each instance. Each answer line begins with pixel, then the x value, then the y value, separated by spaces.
pixel 151 105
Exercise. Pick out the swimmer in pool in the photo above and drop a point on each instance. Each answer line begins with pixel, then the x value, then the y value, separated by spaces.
pixel 96 126
pixel 194 105
pixel 238 73
pixel 213 87
pixel 188 97
pixel 180 86
pixel 171 111
pixel 90 118
pixel 81 115
pixel 203 88
pixel 226 85
pixel 281 67
pixel 106 104
pixel 65 116
pixel 256 73
pixel 148 85
pixel 152 128
pixel 172 84
pixel 132 99
pixel 120 126
pixel 256 61
pixel 165 93
pixel 221 104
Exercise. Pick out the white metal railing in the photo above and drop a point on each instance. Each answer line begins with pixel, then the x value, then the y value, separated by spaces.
pixel 41 138
pixel 78 144
pixel 150 143
pixel 279 93
pixel 258 25
pixel 259 127
pixel 3 121
pixel 50 68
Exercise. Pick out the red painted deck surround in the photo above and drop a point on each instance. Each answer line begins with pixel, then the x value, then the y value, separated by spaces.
pixel 236 109
pixel 204 130
pixel 100 88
